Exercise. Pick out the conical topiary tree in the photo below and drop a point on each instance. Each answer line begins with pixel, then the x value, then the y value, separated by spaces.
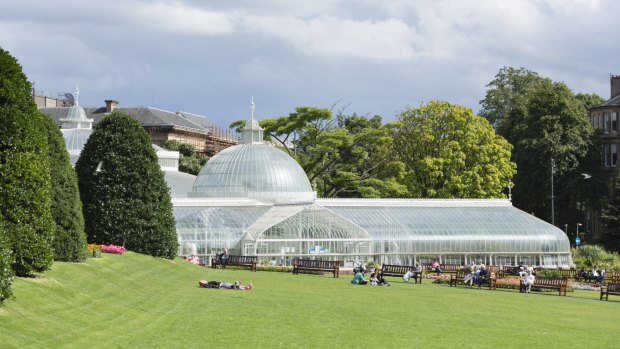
pixel 6 272
pixel 69 236
pixel 125 198
pixel 25 198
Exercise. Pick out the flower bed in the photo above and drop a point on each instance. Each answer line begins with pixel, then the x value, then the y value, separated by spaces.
pixel 112 249
pixel 94 250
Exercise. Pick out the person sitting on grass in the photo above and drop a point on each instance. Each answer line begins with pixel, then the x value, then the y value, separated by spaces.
pixel 381 280
pixel 374 279
pixel 358 279
pixel 226 285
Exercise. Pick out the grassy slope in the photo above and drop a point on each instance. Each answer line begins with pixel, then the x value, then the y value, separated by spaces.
pixel 140 302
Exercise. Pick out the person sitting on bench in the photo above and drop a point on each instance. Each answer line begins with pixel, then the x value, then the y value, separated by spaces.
pixel 417 270
pixel 435 266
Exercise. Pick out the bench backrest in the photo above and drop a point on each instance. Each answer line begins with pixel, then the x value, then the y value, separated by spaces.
pixel 314 263
pixel 233 259
pixel 545 281
pixel 613 287
pixel 392 268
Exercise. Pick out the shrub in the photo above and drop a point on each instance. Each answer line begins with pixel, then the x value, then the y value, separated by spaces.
pixel 550 273
pixel 69 235
pixel 125 199
pixel 25 199
pixel 6 272
pixel 589 256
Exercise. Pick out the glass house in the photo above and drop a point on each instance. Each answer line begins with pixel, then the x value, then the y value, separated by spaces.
pixel 254 199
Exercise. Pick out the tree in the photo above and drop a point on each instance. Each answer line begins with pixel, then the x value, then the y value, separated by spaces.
pixel 611 217
pixel 542 119
pixel 188 161
pixel 450 152
pixel 125 198
pixel 69 235
pixel 6 260
pixel 349 156
pixel 25 199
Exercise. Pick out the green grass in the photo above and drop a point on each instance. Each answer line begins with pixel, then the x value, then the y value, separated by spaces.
pixel 135 301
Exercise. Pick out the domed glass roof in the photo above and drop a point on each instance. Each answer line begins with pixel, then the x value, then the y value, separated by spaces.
pixel 75 138
pixel 254 170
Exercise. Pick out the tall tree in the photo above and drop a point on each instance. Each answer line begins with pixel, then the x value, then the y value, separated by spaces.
pixel 542 119
pixel 125 197
pixel 25 199
pixel 611 217
pixel 69 235
pixel 450 152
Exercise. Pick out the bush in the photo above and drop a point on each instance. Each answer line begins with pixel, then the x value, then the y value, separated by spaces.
pixel 125 197
pixel 69 235
pixel 25 199
pixel 590 256
pixel 548 273
pixel 6 272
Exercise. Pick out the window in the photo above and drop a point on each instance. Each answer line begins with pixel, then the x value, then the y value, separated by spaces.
pixel 614 122
pixel 606 121
pixel 614 153
pixel 606 155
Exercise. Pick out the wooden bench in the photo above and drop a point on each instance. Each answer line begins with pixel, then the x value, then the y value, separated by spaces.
pixel 610 289
pixel 459 277
pixel 445 268
pixel 559 284
pixel 237 261
pixel 400 271
pixel 316 265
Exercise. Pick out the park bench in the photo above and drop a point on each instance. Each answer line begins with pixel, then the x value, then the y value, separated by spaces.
pixel 559 284
pixel 569 273
pixel 316 265
pixel 445 268
pixel 400 270
pixel 237 261
pixel 459 278
pixel 611 288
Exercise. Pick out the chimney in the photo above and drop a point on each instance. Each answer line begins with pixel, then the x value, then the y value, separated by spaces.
pixel 110 104
pixel 615 85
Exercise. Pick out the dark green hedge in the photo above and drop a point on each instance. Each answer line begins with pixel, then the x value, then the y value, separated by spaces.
pixel 127 201
pixel 69 235
pixel 25 200
pixel 6 272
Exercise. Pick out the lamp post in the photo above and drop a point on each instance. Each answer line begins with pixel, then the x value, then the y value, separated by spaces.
pixel 566 229
pixel 577 240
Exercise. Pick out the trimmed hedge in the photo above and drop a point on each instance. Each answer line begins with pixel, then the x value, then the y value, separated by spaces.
pixel 126 201
pixel 69 235
pixel 6 272
pixel 25 199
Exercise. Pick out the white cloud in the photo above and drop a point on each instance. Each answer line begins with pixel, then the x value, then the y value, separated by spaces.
pixel 179 18
pixel 329 36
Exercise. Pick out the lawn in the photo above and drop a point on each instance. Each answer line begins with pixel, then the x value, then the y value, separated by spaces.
pixel 135 301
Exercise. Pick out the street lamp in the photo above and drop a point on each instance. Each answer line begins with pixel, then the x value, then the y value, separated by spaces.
pixel 577 237
pixel 566 229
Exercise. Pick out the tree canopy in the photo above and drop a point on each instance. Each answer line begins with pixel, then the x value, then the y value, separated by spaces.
pixel 451 153
pixel 25 199
pixel 69 235
pixel 125 197
pixel 544 120
pixel 611 216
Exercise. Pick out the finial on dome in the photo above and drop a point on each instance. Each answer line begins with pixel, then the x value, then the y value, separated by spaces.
pixel 77 93
pixel 252 107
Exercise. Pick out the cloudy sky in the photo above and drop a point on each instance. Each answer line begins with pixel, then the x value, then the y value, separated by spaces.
pixel 374 57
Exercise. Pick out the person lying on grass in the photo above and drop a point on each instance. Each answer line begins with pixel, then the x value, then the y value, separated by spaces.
pixel 226 285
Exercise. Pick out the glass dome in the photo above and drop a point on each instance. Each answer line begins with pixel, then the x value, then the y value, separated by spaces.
pixel 254 170
pixel 75 138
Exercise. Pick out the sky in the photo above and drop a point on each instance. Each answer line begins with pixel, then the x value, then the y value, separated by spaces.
pixel 367 57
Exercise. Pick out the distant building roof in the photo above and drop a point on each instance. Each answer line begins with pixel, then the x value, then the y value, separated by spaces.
pixel 147 116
